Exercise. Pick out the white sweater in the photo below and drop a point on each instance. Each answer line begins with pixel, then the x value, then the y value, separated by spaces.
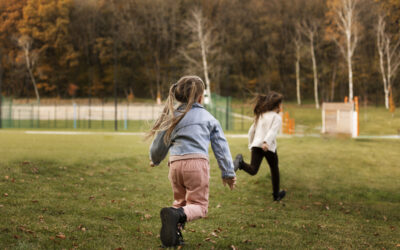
pixel 266 130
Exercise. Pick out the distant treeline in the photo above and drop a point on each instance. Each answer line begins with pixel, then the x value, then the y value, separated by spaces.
pixel 81 48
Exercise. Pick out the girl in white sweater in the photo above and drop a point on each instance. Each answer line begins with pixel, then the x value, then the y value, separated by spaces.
pixel 262 140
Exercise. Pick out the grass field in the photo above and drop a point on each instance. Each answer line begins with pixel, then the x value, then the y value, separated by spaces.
pixel 97 192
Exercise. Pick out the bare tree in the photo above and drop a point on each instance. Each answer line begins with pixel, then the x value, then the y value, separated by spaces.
pixel 387 49
pixel 201 36
pixel 25 43
pixel 298 44
pixel 309 29
pixel 346 22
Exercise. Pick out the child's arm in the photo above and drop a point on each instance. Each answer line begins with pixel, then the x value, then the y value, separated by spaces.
pixel 273 131
pixel 221 151
pixel 158 149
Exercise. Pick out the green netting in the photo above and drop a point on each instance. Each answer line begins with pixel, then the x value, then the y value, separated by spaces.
pixel 6 112
pixel 221 109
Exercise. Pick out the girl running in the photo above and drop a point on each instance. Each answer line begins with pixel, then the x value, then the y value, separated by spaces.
pixel 262 140
pixel 186 133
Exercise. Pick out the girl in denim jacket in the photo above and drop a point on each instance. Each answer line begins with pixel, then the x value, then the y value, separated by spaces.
pixel 186 133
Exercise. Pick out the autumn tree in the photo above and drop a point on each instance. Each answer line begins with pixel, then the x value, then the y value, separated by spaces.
pixel 201 47
pixel 30 58
pixel 344 30
pixel 389 56
pixel 46 22
pixel 298 44
pixel 13 71
pixel 309 28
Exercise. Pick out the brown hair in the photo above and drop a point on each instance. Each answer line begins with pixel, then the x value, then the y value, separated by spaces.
pixel 186 90
pixel 265 103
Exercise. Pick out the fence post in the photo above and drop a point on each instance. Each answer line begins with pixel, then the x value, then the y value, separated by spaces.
pixel 74 114
pixel 126 119
pixel 102 114
pixel 31 115
pixel 127 115
pixel 66 118
pixel 90 109
pixel 38 116
pixel 55 115
pixel 79 115
pixel 10 113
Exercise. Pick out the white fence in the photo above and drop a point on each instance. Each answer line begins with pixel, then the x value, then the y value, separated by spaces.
pixel 142 112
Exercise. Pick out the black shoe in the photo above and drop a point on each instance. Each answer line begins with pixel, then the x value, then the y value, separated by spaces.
pixel 238 162
pixel 279 196
pixel 170 233
pixel 181 225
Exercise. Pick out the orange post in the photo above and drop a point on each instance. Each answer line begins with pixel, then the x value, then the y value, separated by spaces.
pixel 346 99
pixel 287 124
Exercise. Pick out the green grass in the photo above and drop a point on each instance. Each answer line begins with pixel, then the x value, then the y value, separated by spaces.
pixel 99 192
pixel 131 125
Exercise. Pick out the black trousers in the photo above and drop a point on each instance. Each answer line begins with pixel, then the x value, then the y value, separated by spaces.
pixel 257 155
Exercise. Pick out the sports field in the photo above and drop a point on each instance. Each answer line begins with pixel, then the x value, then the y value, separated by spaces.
pixel 98 192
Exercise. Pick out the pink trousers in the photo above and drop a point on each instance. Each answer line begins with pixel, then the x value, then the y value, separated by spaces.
pixel 190 180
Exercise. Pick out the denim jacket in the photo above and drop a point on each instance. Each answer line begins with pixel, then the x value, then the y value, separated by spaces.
pixel 193 135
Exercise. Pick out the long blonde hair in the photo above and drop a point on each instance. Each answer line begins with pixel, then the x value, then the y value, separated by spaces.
pixel 186 90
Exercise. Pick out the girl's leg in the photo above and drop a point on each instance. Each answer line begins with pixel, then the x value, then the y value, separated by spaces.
pixel 257 155
pixel 170 233
pixel 196 176
pixel 178 188
pixel 272 159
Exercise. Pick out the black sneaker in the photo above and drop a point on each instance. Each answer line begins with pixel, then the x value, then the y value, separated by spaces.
pixel 170 233
pixel 237 162
pixel 279 196
pixel 169 227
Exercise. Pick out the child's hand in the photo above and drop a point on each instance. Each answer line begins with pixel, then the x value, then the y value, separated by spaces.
pixel 151 164
pixel 264 147
pixel 230 181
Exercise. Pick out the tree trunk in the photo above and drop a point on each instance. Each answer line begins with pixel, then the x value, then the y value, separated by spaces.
pixel 298 75
pixel 28 66
pixel 384 79
pixel 333 84
pixel 386 98
pixel 204 59
pixel 350 66
pixel 389 74
pixel 315 73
